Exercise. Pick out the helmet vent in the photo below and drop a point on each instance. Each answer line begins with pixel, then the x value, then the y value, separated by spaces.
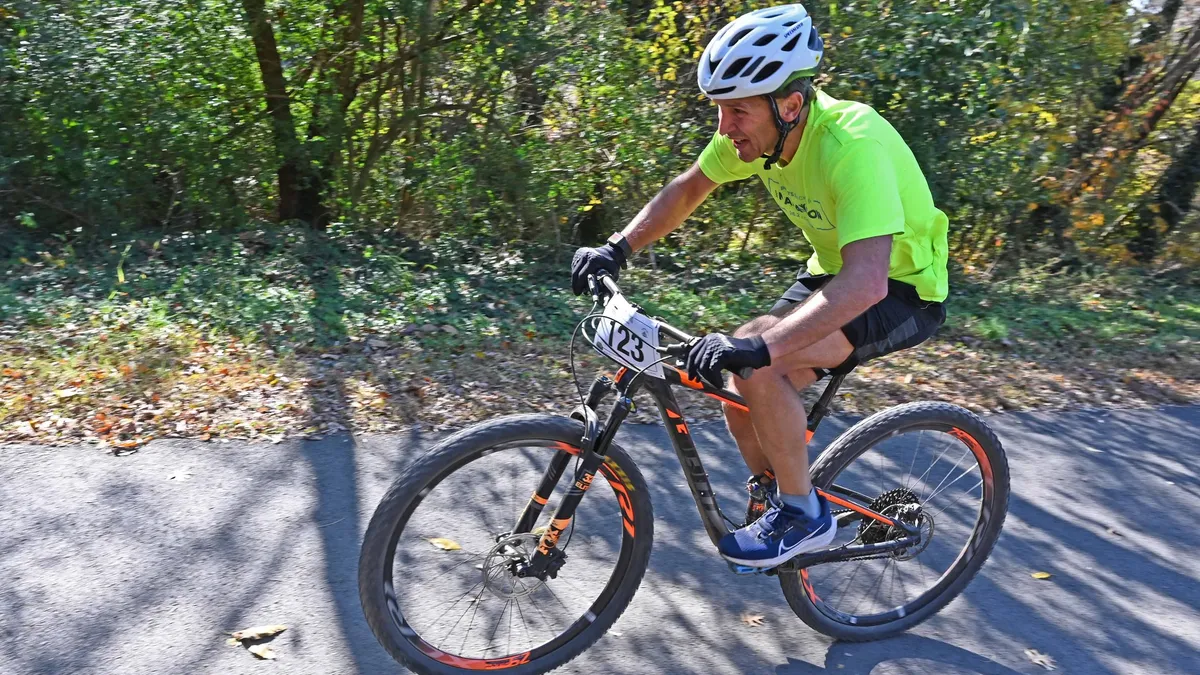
pixel 767 71
pixel 765 40
pixel 722 90
pixel 738 38
pixel 791 44
pixel 735 68
pixel 750 71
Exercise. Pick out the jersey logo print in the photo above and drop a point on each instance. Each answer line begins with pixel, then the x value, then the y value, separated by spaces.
pixel 798 207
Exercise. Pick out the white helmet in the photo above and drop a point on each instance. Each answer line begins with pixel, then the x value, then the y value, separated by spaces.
pixel 759 52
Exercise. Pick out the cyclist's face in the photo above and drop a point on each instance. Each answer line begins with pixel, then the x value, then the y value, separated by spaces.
pixel 749 123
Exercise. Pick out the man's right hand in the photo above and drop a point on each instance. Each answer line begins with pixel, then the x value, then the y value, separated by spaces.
pixel 606 258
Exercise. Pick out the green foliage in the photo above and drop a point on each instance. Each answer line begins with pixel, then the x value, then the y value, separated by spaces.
pixel 550 122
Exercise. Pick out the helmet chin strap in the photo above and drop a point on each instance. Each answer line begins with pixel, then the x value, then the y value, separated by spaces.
pixel 784 128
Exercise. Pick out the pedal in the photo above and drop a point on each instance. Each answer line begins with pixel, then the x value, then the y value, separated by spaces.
pixel 744 569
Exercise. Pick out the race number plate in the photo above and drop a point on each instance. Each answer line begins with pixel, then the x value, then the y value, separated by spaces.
pixel 628 337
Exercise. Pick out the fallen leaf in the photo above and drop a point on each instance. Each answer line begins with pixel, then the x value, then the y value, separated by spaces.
pixel 450 329
pixel 1040 659
pixel 263 652
pixel 1041 575
pixel 258 632
pixel 753 620
pixel 446 544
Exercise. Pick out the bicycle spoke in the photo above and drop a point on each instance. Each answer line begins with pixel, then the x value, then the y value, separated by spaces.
pixel 524 623
pixel 948 473
pixel 959 498
pixel 935 461
pixel 491 638
pixel 850 579
pixel 451 608
pixel 913 464
pixel 877 585
pixel 475 608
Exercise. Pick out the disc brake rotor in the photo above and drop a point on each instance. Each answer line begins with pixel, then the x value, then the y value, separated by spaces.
pixel 500 565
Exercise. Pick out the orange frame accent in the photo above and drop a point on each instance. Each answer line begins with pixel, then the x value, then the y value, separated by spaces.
pixel 855 507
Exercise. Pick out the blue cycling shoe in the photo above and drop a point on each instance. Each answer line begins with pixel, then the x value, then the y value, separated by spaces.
pixel 778 536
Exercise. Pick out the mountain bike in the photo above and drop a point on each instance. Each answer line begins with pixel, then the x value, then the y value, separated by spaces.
pixel 486 554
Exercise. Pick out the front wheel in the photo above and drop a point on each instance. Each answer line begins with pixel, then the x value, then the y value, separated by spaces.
pixel 437 573
pixel 937 467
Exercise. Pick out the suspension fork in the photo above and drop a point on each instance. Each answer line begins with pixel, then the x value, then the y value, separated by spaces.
pixel 537 501
pixel 548 558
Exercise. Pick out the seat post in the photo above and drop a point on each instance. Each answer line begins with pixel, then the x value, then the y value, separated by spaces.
pixel 822 406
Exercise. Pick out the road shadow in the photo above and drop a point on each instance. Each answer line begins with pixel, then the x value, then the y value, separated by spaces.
pixel 903 654
pixel 333 459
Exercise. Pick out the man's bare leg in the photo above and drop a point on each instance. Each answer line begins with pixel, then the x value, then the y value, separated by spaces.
pixel 775 435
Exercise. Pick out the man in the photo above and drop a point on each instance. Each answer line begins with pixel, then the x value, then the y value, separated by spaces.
pixel 875 281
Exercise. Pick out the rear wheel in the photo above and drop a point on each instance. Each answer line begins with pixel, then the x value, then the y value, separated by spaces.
pixel 939 468
pixel 437 570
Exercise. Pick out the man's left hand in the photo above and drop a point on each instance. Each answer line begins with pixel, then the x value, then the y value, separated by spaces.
pixel 716 352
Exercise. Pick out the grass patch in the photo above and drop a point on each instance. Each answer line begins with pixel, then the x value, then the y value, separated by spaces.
pixel 263 333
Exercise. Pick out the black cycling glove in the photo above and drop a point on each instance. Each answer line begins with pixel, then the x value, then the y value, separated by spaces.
pixel 715 352
pixel 606 258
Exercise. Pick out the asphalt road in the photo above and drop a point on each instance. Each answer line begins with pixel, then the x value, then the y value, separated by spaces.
pixel 137 564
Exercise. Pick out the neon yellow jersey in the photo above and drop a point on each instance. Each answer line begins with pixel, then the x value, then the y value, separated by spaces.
pixel 853 177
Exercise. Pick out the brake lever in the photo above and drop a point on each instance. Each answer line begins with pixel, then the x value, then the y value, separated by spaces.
pixel 594 288
pixel 682 349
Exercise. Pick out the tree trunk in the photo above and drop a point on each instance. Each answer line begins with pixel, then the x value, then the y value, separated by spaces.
pixel 530 98
pixel 1172 203
pixel 1109 96
pixel 293 203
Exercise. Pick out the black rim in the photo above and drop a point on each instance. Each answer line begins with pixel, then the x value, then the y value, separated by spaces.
pixel 401 628
pixel 956 445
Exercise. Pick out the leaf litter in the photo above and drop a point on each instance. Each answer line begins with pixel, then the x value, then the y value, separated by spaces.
pixel 1039 659
pixel 179 384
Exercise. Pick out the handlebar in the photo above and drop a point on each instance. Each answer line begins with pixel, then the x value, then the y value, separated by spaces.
pixel 686 342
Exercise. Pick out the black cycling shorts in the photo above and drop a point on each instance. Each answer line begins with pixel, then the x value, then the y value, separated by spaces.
pixel 899 321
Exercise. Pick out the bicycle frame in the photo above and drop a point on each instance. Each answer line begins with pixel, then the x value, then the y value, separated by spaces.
pixel 598 435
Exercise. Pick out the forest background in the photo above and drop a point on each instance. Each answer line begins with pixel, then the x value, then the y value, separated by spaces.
pixel 254 219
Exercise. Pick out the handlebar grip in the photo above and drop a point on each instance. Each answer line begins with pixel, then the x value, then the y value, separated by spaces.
pixel 609 284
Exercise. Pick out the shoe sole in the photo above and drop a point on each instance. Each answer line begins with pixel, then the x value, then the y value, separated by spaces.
pixel 808 546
